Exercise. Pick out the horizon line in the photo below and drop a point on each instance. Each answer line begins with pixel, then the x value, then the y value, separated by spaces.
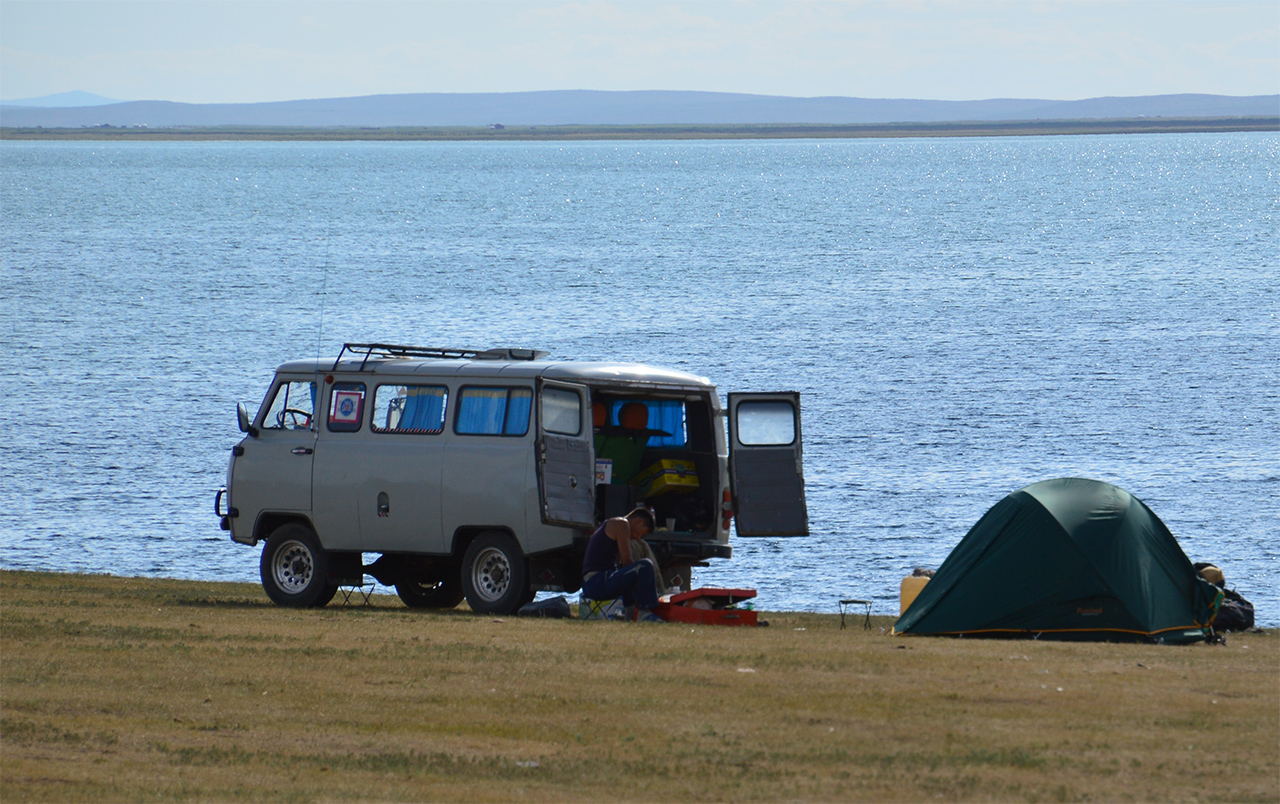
pixel 107 101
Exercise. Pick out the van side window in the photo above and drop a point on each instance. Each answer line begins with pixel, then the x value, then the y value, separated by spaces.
pixel 413 409
pixel 493 411
pixel 561 411
pixel 292 408
pixel 346 406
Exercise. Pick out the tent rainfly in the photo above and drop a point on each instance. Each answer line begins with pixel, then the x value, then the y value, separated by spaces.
pixel 1066 559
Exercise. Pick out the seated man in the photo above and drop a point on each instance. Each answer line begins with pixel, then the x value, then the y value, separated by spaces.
pixel 609 571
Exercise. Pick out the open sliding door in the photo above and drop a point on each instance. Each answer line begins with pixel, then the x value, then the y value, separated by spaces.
pixel 765 468
pixel 566 455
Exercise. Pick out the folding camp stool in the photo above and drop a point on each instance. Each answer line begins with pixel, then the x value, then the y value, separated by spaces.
pixel 363 592
pixel 866 624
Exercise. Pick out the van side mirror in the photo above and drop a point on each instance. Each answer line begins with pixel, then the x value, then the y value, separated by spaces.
pixel 242 418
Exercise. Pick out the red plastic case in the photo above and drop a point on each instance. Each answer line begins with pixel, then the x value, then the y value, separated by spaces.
pixel 720 613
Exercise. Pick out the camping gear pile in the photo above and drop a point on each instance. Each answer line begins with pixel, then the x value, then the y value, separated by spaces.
pixel 1235 613
pixel 1066 559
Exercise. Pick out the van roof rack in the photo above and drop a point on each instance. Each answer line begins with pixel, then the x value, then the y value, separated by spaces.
pixel 396 351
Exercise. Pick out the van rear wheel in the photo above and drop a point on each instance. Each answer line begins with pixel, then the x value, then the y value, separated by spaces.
pixel 494 576
pixel 295 568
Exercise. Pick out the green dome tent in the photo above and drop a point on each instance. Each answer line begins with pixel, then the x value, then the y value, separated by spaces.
pixel 1066 559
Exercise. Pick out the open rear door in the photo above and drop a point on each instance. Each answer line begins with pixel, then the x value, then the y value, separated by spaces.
pixel 566 455
pixel 765 468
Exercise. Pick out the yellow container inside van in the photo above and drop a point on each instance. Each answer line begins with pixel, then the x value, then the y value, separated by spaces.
pixel 667 475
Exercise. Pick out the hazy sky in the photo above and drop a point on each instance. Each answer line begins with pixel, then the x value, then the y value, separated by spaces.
pixel 205 51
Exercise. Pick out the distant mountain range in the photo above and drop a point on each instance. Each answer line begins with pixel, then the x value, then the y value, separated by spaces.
pixel 595 108
pixel 63 99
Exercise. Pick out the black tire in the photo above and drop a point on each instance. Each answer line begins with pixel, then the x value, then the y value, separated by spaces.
pixel 295 568
pixel 495 577
pixel 437 588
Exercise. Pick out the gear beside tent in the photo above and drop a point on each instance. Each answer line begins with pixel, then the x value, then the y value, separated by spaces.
pixel 1066 559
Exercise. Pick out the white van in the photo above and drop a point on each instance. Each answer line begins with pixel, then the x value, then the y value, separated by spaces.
pixel 481 473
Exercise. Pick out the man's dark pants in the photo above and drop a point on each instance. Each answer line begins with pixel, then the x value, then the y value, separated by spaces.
pixel 633 583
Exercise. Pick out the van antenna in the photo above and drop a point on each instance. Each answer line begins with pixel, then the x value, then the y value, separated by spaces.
pixel 324 289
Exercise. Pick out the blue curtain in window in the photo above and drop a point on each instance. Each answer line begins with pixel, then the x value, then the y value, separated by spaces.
pixel 667 416
pixel 494 411
pixel 423 409
pixel 482 410
pixel 518 408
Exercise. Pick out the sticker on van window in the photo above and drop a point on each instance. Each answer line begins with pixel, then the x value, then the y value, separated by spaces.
pixel 346 407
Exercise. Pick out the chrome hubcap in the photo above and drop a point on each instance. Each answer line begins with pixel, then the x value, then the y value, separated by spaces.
pixel 293 567
pixel 491 575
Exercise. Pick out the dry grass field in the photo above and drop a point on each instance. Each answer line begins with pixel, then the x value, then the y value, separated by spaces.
pixel 118 689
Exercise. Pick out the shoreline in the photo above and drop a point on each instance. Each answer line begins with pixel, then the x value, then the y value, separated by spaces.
pixel 1025 128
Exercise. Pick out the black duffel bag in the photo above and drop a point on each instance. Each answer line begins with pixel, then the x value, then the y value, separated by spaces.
pixel 554 607
pixel 1235 613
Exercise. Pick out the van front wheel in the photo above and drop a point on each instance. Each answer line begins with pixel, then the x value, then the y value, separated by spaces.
pixel 295 568
pixel 494 576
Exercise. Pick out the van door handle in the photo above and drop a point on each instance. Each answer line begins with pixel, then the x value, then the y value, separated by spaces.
pixel 302 450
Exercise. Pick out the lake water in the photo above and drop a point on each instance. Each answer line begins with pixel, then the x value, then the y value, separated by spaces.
pixel 963 317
